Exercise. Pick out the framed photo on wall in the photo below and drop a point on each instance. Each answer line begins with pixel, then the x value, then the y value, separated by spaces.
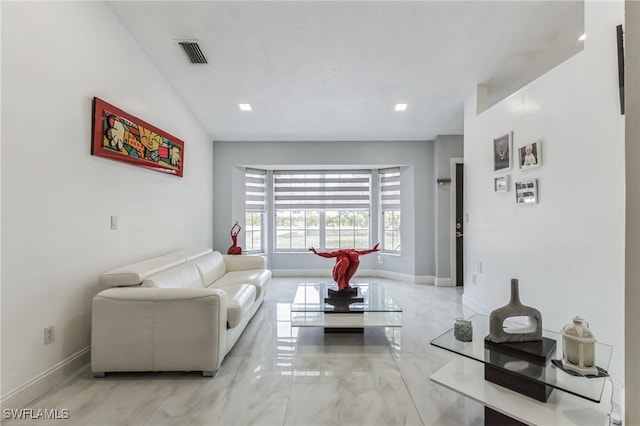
pixel 501 184
pixel 527 191
pixel 502 152
pixel 530 155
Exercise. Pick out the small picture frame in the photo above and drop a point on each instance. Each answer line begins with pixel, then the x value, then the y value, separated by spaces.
pixel 527 191
pixel 501 184
pixel 530 155
pixel 502 152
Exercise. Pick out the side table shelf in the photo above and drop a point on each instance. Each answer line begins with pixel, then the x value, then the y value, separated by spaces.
pixel 466 377
pixel 514 387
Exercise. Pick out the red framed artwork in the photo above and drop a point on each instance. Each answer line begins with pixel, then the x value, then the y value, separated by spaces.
pixel 123 137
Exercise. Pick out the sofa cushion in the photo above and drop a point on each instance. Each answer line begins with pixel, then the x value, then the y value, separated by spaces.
pixel 193 252
pixel 181 276
pixel 257 277
pixel 211 267
pixel 240 297
pixel 135 273
pixel 244 262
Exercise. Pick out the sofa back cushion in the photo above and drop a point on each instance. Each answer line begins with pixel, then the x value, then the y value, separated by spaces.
pixel 181 276
pixel 211 267
pixel 191 253
pixel 135 273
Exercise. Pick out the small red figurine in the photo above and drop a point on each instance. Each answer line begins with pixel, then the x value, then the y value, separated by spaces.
pixel 347 263
pixel 234 249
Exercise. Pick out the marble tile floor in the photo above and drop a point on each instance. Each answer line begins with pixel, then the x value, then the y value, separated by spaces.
pixel 282 375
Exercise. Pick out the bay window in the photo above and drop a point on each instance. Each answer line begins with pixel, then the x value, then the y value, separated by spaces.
pixel 325 209
pixel 390 209
pixel 255 195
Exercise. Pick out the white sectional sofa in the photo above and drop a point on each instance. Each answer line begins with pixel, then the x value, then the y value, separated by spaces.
pixel 180 312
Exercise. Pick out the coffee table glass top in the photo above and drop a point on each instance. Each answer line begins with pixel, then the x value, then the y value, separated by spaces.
pixel 373 297
pixel 548 374
pixel 373 306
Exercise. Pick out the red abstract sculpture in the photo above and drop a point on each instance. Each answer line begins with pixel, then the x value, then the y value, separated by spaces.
pixel 234 249
pixel 347 262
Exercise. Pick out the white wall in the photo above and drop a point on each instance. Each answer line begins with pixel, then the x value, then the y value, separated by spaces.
pixel 417 257
pixel 632 129
pixel 57 199
pixel 446 147
pixel 568 250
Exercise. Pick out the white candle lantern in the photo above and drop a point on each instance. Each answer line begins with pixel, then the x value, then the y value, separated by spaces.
pixel 579 348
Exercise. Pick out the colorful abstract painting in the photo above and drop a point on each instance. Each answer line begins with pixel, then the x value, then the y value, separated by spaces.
pixel 122 137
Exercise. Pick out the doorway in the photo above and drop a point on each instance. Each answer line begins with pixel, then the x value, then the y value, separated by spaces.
pixel 457 222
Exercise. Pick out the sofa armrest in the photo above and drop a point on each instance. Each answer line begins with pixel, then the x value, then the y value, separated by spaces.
pixel 158 329
pixel 244 262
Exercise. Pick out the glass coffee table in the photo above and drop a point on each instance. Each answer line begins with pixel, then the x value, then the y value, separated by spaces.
pixel 314 305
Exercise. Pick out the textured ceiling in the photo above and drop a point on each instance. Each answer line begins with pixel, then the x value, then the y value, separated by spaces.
pixel 328 70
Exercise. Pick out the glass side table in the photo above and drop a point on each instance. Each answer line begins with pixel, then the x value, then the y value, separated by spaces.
pixel 544 375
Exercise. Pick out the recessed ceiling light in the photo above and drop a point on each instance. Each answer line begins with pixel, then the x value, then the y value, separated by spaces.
pixel 401 107
pixel 245 107
pixel 582 37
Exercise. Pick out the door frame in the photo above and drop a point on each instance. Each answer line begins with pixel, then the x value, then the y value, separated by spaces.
pixel 452 219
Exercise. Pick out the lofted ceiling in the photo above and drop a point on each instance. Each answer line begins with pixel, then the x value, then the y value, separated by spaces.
pixel 333 70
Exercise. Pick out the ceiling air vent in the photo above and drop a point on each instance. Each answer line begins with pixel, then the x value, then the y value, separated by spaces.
pixel 193 52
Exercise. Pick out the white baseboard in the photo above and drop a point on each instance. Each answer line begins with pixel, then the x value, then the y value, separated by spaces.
pixel 444 282
pixel 56 375
pixel 425 279
pixel 301 273
pixel 417 279
pixel 394 276
pixel 326 273
pixel 473 304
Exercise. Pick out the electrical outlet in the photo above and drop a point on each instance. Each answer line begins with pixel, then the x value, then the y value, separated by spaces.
pixel 473 278
pixel 49 335
pixel 380 258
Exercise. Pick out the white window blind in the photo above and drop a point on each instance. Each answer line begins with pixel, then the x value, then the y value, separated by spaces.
pixel 390 189
pixel 255 190
pixel 322 189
